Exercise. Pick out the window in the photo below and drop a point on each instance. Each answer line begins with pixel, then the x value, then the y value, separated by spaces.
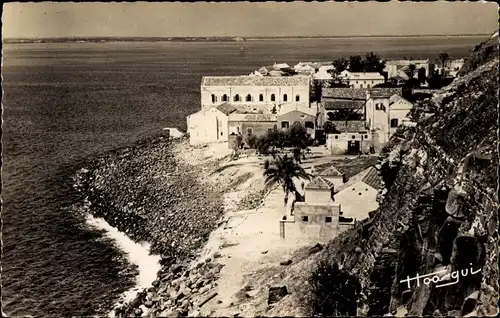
pixel 336 137
pixel 368 86
pixel 261 98
pixel 249 132
pixel 365 82
pixel 224 98
pixel 353 136
pixel 394 123
pixel 221 133
pixel 356 82
pixel 361 86
pixel 285 98
pixel 359 193
pixel 328 219
pixel 309 124
pixel 249 98
pixel 297 98
pixel 366 136
pixel 285 124
pixel 273 98
pixel 236 98
pixel 377 107
pixel 214 98
pixel 275 127
pixel 305 218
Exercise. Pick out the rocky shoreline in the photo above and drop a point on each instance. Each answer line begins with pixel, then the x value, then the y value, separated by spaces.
pixel 153 194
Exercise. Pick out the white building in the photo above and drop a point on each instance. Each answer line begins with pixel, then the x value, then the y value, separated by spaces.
pixel 384 113
pixel 358 196
pixel 364 80
pixel 209 125
pixel 281 66
pixel 394 68
pixel 257 91
pixel 323 73
pixel 333 175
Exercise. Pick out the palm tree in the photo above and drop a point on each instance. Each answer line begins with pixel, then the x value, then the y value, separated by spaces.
pixel 443 57
pixel 282 171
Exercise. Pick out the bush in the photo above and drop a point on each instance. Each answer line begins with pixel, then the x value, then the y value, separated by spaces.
pixel 334 291
pixel 252 141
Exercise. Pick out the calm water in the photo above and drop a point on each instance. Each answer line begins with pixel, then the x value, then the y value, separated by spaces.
pixel 65 103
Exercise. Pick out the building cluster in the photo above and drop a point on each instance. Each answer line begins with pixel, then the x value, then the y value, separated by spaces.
pixel 331 204
pixel 357 118
pixel 250 105
pixel 361 119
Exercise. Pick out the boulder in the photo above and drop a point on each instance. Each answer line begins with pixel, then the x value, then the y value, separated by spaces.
pixel 276 293
pixel 251 293
pixel 315 249
pixel 286 262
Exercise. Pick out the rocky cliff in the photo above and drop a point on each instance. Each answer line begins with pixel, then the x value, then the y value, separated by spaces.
pixel 438 210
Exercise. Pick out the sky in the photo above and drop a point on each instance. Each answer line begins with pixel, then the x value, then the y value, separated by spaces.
pixel 65 19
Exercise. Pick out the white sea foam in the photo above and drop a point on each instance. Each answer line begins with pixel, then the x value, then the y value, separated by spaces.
pixel 138 254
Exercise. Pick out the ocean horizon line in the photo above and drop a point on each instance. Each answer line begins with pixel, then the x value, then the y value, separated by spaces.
pixel 242 37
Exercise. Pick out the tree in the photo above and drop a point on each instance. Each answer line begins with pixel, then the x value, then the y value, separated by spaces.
pixel 282 171
pixel 252 141
pixel 443 57
pixel 435 81
pixel 329 128
pixel 340 65
pixel 373 63
pixel 317 87
pixel 356 64
pixel 410 71
pixel 298 137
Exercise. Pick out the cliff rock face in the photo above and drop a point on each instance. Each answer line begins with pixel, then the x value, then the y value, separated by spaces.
pixel 438 210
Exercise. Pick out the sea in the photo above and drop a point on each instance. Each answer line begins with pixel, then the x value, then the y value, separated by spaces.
pixel 66 103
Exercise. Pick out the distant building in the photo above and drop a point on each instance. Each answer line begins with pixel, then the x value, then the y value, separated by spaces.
pixel 336 101
pixel 385 111
pixel 281 66
pixel 291 114
pixel 209 125
pixel 247 125
pixel 324 73
pixel 395 68
pixel 454 66
pixel 364 80
pixel 354 142
pixel 358 196
pixel 260 91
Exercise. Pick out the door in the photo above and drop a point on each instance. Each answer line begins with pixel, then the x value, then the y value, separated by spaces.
pixel 353 147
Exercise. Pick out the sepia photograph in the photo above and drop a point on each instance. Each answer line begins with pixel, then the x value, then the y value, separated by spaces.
pixel 250 159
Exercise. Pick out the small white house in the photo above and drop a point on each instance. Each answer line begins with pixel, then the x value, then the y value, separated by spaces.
pixel 323 73
pixel 209 125
pixel 333 175
pixel 364 80
pixel 358 196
